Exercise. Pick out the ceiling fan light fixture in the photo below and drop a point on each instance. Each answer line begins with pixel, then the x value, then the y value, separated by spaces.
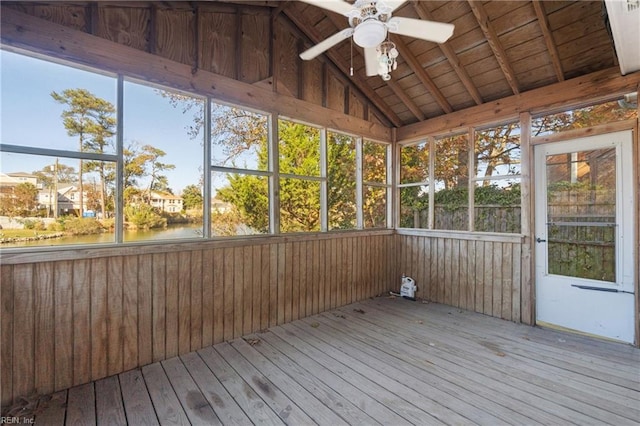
pixel 369 33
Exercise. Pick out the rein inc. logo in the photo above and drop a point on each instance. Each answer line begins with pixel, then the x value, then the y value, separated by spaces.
pixel 12 420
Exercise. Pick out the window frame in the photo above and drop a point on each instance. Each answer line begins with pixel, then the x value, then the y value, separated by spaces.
pixel 272 174
pixel 472 180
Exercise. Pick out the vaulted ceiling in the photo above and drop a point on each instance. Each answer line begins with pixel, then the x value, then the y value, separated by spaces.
pixel 498 48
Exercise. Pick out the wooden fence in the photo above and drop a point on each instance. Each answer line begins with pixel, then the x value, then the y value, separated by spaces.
pixel 487 218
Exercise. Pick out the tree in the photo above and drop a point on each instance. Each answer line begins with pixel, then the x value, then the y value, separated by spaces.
pixel 90 119
pixel 374 198
pixel 192 197
pixel 299 150
pixel 99 141
pixel 341 181
pixel 141 162
pixel 20 200
pixel 154 167
pixel 134 164
pixel 495 146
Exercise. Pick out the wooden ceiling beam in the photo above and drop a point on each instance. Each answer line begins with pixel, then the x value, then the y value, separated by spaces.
pixel 406 100
pixel 277 11
pixel 313 35
pixel 451 56
pixel 596 87
pixel 422 75
pixel 548 39
pixel 494 42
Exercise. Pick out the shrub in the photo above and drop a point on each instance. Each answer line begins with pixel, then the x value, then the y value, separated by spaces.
pixel 82 226
pixel 143 216
pixel 36 225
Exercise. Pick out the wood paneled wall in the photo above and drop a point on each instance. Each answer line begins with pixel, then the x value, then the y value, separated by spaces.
pixel 478 275
pixel 68 322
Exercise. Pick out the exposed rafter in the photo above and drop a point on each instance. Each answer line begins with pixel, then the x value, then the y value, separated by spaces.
pixel 548 39
pixel 406 100
pixel 278 10
pixel 308 30
pixel 494 42
pixel 453 59
pixel 422 75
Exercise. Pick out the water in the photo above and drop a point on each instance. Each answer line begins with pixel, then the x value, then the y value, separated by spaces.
pixel 169 233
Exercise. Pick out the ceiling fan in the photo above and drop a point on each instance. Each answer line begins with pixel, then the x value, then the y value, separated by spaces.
pixel 370 21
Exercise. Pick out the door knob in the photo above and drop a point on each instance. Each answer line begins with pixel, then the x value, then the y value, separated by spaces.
pixel 540 240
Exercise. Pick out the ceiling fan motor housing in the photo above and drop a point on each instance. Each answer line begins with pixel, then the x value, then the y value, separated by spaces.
pixel 370 33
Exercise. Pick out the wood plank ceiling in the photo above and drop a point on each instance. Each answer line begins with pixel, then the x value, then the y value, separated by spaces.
pixel 499 48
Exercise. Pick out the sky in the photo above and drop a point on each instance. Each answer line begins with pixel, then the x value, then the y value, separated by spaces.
pixel 29 116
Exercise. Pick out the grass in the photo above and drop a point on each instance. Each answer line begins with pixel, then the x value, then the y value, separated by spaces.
pixel 23 233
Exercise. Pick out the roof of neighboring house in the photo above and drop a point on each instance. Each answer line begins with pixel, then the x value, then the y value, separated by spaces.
pixel 22 174
pixel 164 196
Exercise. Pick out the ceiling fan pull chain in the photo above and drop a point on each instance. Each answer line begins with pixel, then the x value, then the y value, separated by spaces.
pixel 351 69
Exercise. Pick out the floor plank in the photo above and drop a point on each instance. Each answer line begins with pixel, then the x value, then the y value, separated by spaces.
pixel 54 411
pixel 225 407
pixel 313 408
pixel 109 406
pixel 81 409
pixel 344 407
pixel 379 361
pixel 168 408
pixel 279 402
pixel 193 402
pixel 137 403
pixel 241 392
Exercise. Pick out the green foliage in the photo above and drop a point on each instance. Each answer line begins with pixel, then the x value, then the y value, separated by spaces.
pixel 21 200
pixel 565 185
pixel 36 225
pixel 55 226
pixel 143 216
pixel 249 195
pixel 81 226
pixel 341 181
pixel 192 197
pixel 493 194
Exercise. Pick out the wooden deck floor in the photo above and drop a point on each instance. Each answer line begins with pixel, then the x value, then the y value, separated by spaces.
pixel 382 361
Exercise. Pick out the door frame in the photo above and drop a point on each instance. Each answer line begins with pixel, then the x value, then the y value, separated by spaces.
pixel 530 202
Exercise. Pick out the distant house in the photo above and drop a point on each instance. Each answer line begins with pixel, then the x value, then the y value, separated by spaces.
pixel 166 202
pixel 23 177
pixel 13 179
pixel 68 199
pixel 219 206
pixel 9 182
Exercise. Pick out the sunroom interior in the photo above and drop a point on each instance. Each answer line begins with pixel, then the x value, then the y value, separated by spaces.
pixel 193 201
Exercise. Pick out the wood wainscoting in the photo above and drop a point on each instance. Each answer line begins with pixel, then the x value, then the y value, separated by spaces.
pixel 72 316
pixel 481 274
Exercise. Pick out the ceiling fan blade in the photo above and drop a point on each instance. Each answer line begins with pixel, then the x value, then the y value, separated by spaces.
pixel 371 61
pixel 393 4
pixel 326 44
pixel 437 32
pixel 338 6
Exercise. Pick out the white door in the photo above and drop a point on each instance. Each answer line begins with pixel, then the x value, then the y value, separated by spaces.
pixel 584 235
